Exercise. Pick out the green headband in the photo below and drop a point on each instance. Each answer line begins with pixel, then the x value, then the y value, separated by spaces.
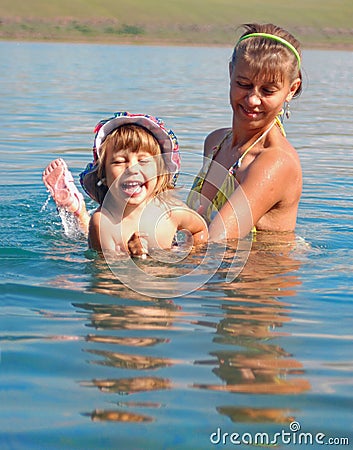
pixel 275 38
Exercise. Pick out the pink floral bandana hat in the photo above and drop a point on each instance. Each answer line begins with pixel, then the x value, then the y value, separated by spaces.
pixel 167 140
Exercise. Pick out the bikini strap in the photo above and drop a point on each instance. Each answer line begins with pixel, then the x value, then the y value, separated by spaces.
pixel 237 164
pixel 217 147
pixel 279 123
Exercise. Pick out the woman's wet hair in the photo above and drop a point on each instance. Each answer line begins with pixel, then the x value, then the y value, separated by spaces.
pixel 268 57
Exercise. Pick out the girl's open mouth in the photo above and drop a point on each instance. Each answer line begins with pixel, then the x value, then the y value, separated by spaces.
pixel 132 188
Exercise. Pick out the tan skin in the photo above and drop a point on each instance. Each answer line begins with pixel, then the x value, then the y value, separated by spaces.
pixel 270 176
pixel 132 178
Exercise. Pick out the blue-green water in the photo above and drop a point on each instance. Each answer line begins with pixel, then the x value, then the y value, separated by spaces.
pixel 86 362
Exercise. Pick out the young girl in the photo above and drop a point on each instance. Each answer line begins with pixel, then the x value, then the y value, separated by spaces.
pixel 136 162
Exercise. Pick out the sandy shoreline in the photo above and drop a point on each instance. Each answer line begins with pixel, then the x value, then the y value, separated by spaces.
pixel 163 42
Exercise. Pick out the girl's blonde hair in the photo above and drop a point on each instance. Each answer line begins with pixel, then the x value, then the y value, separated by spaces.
pixel 134 138
pixel 268 57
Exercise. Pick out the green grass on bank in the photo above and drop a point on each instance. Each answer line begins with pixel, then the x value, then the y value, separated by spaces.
pixel 315 22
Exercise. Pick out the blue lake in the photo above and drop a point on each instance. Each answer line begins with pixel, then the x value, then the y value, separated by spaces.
pixel 87 362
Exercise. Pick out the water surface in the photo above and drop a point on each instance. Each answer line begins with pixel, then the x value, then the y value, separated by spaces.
pixel 87 362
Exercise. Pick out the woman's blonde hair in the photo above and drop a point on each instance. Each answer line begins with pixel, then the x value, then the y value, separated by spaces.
pixel 135 138
pixel 269 57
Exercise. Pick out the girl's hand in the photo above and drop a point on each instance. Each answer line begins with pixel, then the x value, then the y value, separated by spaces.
pixel 138 245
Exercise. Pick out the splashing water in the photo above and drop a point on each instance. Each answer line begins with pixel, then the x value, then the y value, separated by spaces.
pixel 69 222
pixel 44 207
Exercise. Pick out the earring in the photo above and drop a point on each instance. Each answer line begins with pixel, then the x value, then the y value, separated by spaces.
pixel 101 182
pixel 286 110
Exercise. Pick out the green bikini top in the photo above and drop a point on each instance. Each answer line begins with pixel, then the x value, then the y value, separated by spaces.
pixel 229 184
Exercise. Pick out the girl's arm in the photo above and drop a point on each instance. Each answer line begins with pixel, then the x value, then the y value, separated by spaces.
pixel 190 220
pixel 99 236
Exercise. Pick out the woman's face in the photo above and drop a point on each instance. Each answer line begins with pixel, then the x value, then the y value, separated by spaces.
pixel 256 100
pixel 133 174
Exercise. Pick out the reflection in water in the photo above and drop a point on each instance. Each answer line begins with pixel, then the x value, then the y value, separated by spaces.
pixel 135 342
pixel 118 416
pixel 131 385
pixel 137 362
pixel 253 319
pixel 244 341
pixel 256 415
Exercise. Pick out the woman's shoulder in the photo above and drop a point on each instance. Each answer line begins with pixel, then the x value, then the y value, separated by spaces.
pixel 279 161
pixel 214 139
pixel 282 150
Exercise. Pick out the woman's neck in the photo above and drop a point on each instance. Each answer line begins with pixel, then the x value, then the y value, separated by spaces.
pixel 244 140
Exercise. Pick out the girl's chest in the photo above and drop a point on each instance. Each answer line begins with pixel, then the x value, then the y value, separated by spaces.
pixel 155 224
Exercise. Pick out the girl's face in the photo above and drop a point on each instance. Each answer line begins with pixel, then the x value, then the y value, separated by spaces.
pixel 257 100
pixel 134 175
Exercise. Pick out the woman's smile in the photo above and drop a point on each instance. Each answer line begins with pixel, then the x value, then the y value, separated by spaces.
pixel 253 114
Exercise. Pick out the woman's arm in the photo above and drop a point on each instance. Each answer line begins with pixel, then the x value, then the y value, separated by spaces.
pixel 263 189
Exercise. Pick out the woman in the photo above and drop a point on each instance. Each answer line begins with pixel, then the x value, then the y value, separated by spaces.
pixel 251 177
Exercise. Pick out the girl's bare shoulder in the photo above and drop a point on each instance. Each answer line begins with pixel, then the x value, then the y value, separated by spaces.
pixel 96 217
